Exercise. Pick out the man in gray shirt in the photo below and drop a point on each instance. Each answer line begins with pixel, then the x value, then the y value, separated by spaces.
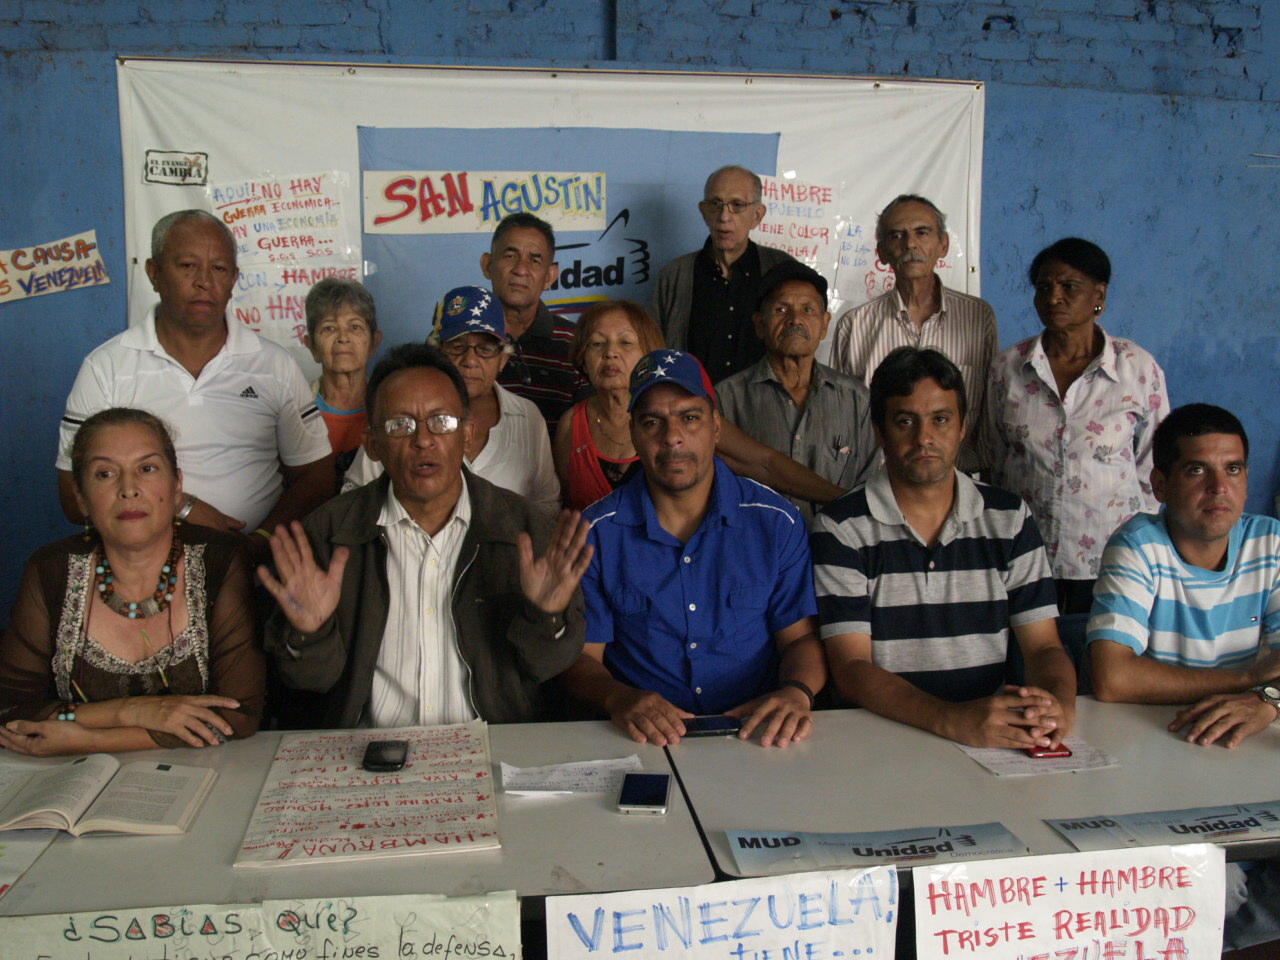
pixel 789 401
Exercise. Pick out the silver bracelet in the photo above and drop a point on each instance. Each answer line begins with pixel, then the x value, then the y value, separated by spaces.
pixel 186 507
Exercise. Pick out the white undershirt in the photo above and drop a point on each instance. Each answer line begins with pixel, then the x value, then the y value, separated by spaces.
pixel 420 677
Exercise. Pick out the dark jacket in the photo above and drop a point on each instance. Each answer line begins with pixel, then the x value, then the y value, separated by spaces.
pixel 510 647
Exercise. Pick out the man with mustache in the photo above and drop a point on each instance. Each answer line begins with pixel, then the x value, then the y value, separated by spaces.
pixel 922 573
pixel 700 591
pixel 789 401
pixel 911 237
pixel 1186 598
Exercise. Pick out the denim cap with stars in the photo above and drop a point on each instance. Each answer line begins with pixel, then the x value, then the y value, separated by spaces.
pixel 466 310
pixel 670 366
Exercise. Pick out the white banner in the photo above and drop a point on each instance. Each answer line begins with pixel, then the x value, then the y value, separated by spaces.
pixel 186 123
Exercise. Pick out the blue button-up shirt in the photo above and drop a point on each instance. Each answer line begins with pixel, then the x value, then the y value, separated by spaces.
pixel 694 622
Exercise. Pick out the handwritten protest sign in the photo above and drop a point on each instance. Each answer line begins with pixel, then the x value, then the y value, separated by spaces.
pixel 801 219
pixel 271 298
pixel 53 267
pixel 1160 903
pixel 833 914
pixel 358 928
pixel 298 219
pixel 474 201
pixel 778 851
pixel 319 804
pixel 1243 821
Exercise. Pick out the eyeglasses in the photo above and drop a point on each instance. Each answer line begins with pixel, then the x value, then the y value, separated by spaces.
pixel 485 349
pixel 735 207
pixel 440 424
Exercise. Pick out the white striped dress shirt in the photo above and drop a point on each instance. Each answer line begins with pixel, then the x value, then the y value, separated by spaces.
pixel 420 678
pixel 964 330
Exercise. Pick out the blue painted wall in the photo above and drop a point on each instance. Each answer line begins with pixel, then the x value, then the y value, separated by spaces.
pixel 1130 122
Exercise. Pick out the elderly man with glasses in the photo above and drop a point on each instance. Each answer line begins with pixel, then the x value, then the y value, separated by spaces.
pixel 509 445
pixel 704 300
pixel 429 596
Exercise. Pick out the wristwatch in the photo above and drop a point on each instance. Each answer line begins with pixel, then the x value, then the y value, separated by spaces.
pixel 1269 693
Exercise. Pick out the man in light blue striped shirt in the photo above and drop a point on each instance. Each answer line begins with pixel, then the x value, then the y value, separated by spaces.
pixel 1187 597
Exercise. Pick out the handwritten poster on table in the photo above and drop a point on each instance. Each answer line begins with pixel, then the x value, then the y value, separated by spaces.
pixel 319 804
pixel 833 914
pixel 356 928
pixel 52 267
pixel 775 851
pixel 1159 903
pixel 1242 821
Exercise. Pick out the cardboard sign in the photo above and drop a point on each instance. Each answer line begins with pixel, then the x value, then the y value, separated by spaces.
pixel 778 851
pixel 356 928
pixel 1244 821
pixel 53 267
pixel 845 913
pixel 1159 903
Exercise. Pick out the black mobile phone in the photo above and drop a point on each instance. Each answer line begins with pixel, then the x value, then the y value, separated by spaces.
pixel 711 726
pixel 644 793
pixel 385 756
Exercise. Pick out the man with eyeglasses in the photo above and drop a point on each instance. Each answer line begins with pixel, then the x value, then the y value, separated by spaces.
pixel 704 300
pixel 428 596
pixel 911 238
pixel 509 445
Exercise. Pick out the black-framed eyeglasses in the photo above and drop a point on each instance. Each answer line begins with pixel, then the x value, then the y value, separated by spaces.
pixel 440 424
pixel 485 349
pixel 735 207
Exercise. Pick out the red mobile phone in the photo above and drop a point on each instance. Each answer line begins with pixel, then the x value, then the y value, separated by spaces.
pixel 1043 753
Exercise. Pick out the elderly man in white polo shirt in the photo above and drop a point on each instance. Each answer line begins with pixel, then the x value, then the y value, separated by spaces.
pixel 253 448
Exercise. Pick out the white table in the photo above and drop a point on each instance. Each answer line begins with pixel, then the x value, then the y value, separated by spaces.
pixel 860 772
pixel 550 845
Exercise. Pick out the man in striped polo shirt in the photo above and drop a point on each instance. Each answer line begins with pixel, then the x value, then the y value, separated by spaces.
pixel 920 311
pixel 521 266
pixel 1186 597
pixel 922 572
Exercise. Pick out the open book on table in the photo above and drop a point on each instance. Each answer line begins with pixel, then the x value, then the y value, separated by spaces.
pixel 98 794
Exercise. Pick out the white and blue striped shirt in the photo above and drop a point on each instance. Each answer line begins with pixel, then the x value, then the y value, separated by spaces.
pixel 1149 599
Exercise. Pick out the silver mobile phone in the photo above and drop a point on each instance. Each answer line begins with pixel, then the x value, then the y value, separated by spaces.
pixel 644 793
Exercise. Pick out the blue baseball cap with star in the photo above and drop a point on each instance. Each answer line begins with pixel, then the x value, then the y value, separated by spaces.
pixel 466 310
pixel 670 366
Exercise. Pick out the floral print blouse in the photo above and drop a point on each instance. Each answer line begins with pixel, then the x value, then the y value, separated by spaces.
pixel 1081 461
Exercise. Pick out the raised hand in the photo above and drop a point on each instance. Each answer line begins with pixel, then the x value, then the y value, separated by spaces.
pixel 549 581
pixel 307 594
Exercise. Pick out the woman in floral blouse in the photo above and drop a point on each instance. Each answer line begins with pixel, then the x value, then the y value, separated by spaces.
pixel 1073 411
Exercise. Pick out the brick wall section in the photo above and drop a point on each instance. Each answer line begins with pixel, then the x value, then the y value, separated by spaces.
pixel 1224 49
pixel 1188 47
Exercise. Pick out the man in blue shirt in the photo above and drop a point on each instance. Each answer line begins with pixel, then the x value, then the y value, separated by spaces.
pixel 700 594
